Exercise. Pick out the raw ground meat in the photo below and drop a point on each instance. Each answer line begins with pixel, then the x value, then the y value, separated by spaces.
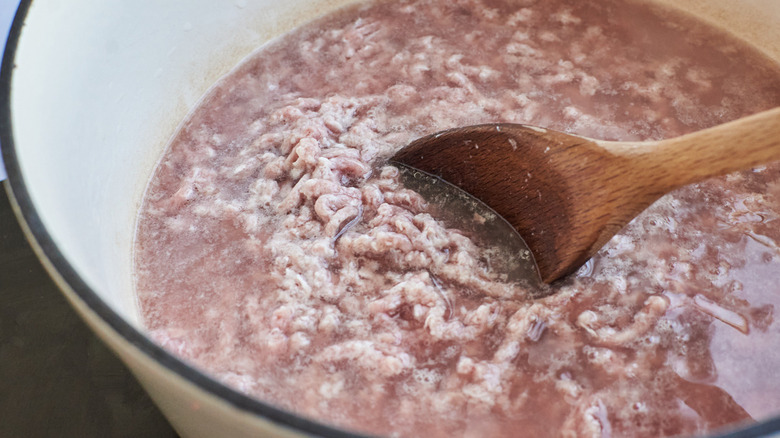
pixel 277 251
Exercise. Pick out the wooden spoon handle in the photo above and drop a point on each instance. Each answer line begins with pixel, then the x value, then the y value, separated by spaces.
pixel 715 151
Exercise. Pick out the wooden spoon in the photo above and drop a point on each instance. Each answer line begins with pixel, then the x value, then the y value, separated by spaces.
pixel 568 195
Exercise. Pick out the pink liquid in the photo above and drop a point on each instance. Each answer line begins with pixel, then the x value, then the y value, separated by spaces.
pixel 305 275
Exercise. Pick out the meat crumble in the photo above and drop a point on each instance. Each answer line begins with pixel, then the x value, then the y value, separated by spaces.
pixel 279 252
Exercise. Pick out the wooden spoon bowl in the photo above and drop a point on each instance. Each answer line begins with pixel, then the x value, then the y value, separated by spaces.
pixel 568 195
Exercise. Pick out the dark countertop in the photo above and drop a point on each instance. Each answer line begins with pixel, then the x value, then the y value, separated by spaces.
pixel 56 377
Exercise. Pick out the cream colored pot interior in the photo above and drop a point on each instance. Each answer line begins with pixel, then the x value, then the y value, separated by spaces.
pixel 98 90
pixel 100 86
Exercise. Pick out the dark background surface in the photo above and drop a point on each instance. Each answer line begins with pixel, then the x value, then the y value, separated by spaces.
pixel 57 379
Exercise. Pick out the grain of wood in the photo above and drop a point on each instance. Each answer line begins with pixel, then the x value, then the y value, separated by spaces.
pixel 568 195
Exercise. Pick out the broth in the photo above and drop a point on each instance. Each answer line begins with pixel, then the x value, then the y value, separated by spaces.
pixel 278 252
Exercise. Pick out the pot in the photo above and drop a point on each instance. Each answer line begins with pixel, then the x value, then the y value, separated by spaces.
pixel 95 92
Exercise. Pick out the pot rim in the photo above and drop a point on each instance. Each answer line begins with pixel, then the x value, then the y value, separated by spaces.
pixel 39 237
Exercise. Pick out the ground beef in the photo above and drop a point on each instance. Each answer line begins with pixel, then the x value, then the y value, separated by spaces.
pixel 277 250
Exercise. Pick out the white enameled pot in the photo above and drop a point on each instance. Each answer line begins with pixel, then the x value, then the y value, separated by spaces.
pixel 91 92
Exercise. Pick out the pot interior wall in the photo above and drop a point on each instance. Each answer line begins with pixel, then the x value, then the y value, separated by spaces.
pixel 99 87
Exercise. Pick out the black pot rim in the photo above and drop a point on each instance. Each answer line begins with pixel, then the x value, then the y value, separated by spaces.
pixel 40 235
